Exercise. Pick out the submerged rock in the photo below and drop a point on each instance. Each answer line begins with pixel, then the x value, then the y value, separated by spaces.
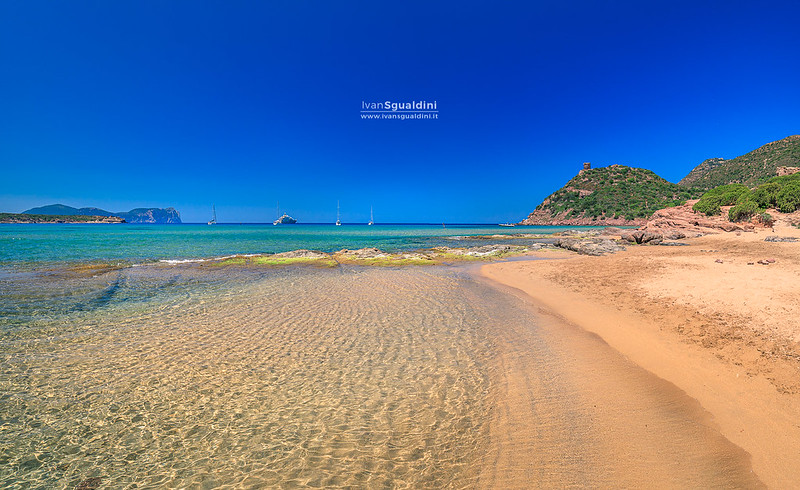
pixel 363 253
pixel 90 483
pixel 487 251
pixel 302 254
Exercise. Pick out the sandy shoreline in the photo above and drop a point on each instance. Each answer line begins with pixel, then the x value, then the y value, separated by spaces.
pixel 726 333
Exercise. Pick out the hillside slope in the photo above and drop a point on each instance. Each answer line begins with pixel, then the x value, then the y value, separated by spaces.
pixel 749 169
pixel 615 195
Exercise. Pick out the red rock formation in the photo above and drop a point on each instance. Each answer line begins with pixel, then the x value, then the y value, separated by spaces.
pixel 680 222
pixel 787 171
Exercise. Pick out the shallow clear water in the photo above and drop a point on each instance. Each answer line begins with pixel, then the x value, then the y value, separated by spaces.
pixel 294 377
pixel 416 377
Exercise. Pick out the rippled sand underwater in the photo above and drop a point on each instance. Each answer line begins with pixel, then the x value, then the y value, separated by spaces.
pixel 417 377
pixel 295 377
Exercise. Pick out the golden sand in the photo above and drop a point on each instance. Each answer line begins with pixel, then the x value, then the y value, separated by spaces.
pixel 700 318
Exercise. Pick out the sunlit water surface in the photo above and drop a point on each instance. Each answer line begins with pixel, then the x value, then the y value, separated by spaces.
pixel 295 377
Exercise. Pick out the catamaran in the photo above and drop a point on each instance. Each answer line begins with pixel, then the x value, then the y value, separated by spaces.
pixel 213 216
pixel 371 219
pixel 338 220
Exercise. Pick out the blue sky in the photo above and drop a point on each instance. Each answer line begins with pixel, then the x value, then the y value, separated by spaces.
pixel 243 104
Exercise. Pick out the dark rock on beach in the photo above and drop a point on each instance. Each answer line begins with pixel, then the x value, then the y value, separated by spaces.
pixel 643 236
pixel 589 246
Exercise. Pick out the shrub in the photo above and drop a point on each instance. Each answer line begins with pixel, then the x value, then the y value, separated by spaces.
pixel 707 205
pixel 745 197
pixel 766 219
pixel 724 195
pixel 728 194
pixel 743 210
pixel 788 199
pixel 766 195
pixel 785 179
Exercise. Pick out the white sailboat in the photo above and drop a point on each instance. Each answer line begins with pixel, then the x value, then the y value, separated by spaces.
pixel 371 219
pixel 213 216
pixel 338 220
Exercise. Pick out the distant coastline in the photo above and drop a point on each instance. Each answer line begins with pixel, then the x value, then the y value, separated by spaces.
pixel 137 215
pixel 20 218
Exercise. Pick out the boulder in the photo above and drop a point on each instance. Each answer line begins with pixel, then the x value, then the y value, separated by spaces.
pixel 589 246
pixel 644 236
pixel 780 239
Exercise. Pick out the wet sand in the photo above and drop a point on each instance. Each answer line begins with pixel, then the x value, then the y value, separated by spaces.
pixel 590 418
pixel 723 335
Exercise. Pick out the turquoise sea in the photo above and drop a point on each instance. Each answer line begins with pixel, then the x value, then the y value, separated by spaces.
pixel 127 362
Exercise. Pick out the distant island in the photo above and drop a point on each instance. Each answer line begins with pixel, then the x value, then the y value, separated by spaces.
pixel 618 195
pixel 77 215
pixel 21 218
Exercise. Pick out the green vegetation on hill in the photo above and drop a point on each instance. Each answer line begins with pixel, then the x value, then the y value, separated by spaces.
pixel 781 193
pixel 750 169
pixel 56 218
pixel 138 215
pixel 617 192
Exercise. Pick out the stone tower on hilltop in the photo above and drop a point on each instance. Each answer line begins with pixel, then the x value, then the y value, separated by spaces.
pixel 586 166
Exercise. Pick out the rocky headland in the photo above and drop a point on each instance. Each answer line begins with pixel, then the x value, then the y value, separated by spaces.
pixel 616 195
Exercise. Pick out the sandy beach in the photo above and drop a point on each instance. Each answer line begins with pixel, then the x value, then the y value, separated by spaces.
pixel 707 318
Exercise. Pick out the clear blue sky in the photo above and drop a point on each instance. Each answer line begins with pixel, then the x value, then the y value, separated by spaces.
pixel 124 104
